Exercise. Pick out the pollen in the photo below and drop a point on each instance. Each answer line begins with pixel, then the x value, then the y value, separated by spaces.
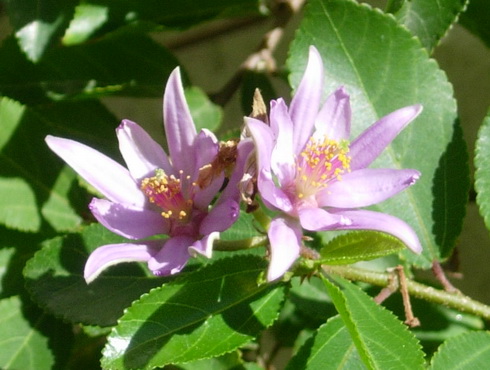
pixel 167 193
pixel 322 161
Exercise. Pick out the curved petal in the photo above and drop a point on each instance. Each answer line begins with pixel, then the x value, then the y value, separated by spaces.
pixel 140 152
pixel 221 217
pixel 179 126
pixel 264 141
pixel 370 220
pixel 366 187
pixel 333 120
pixel 172 257
pixel 204 246
pixel 272 196
pixel 306 101
pixel 285 244
pixel 369 145
pixel 106 175
pixel 127 221
pixel 283 157
pixel 112 254
pixel 315 219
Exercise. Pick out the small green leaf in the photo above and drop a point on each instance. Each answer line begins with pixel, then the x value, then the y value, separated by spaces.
pixel 359 246
pixel 330 348
pixel 384 68
pixel 204 314
pixel 86 20
pixel 465 351
pixel 430 20
pixel 38 23
pixel 380 338
pixel 205 113
pixel 482 172
pixel 54 277
pixel 23 346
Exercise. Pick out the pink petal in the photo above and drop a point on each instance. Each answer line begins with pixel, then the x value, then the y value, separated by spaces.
pixel 369 220
pixel 130 222
pixel 369 145
pixel 315 219
pixel 333 120
pixel 366 187
pixel 206 150
pixel 179 126
pixel 172 257
pixel 221 217
pixel 140 152
pixel 112 254
pixel 272 196
pixel 283 157
pixel 263 139
pixel 306 101
pixel 204 246
pixel 285 243
pixel 104 174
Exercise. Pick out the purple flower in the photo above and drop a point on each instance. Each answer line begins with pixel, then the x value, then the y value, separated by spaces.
pixel 158 194
pixel 315 178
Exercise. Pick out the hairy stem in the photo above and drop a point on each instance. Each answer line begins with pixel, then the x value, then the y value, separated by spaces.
pixel 457 301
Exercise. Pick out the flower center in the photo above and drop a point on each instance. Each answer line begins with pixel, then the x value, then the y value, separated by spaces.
pixel 321 161
pixel 166 192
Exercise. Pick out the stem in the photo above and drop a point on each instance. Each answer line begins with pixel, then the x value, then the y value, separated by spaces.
pixel 459 302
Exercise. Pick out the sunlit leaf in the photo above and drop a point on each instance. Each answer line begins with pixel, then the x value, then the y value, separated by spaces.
pixel 380 338
pixel 38 23
pixel 482 173
pixel 330 348
pixel 359 246
pixel 23 345
pixel 468 351
pixel 205 314
pixel 430 20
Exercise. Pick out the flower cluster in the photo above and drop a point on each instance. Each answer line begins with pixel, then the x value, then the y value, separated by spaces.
pixel 306 171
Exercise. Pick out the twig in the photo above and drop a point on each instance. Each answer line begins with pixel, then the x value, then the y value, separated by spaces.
pixel 410 319
pixel 441 277
pixel 459 302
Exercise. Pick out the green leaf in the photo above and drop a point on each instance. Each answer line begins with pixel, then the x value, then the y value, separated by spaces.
pixel 383 68
pixel 204 314
pixel 359 246
pixel 88 18
pixel 380 338
pixel 482 170
pixel 23 346
pixel 465 351
pixel 205 113
pixel 54 278
pixel 37 23
pixel 35 188
pixel 430 20
pixel 475 19
pixel 330 348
